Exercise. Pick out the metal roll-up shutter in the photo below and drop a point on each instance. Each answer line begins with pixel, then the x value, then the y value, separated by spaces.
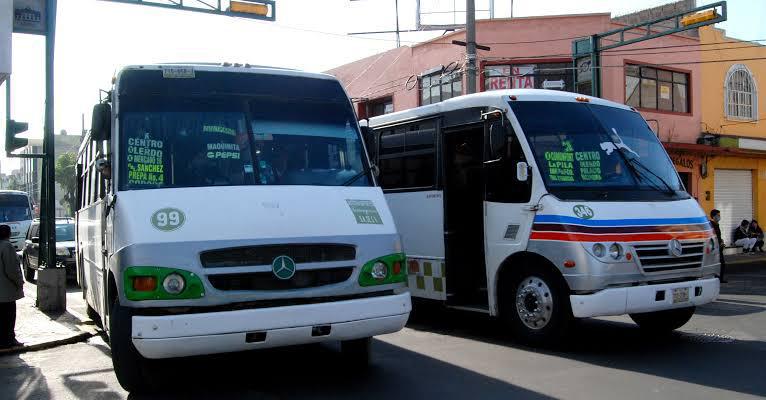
pixel 734 197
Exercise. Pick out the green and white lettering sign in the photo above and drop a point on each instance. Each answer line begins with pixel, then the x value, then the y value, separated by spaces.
pixel 365 212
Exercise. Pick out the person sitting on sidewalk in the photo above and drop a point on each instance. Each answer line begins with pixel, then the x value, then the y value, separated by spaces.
pixel 742 237
pixel 11 283
pixel 756 232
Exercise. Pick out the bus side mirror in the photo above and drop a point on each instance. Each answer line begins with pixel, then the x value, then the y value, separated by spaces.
pixel 522 171
pixel 101 122
pixel 375 170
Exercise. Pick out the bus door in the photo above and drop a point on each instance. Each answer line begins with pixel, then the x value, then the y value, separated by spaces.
pixel 510 205
pixel 464 214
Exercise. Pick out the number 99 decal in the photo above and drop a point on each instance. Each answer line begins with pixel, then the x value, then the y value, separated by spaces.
pixel 168 219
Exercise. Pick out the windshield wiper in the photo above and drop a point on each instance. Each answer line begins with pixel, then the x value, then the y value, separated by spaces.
pixel 633 162
pixel 354 178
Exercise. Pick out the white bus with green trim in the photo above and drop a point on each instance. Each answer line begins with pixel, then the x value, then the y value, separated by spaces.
pixel 542 206
pixel 230 208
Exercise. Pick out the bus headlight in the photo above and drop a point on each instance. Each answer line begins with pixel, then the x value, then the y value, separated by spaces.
pixel 62 251
pixel 615 251
pixel 599 250
pixel 174 283
pixel 379 270
pixel 384 270
pixel 161 283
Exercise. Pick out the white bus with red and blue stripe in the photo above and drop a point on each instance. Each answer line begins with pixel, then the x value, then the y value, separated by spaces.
pixel 541 207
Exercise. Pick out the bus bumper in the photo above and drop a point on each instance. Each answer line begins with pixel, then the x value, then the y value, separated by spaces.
pixel 229 331
pixel 642 299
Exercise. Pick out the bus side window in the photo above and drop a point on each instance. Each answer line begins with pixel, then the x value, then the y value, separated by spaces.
pixel 407 156
pixel 501 183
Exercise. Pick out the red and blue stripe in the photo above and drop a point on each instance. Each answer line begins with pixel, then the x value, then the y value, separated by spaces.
pixel 572 229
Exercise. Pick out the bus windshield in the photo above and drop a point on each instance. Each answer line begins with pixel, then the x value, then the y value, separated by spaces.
pixel 238 129
pixel 14 207
pixel 593 152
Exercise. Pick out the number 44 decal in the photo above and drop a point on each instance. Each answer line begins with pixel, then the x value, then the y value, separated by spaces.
pixel 168 219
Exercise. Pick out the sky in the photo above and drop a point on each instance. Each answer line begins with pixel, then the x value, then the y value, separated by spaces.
pixel 94 38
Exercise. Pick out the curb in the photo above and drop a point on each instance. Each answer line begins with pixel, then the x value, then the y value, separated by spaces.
pixel 77 338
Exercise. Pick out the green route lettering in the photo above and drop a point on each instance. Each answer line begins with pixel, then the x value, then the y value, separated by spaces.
pixel 145 165
pixel 218 129
pixel 589 163
pixel 560 166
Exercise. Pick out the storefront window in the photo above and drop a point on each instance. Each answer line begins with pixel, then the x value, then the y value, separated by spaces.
pixel 656 89
pixel 436 87
pixel 556 76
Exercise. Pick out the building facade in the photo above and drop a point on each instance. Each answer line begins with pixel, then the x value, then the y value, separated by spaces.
pixel 732 150
pixel 31 168
pixel 660 77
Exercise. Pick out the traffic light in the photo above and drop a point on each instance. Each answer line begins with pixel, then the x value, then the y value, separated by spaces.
pixel 11 130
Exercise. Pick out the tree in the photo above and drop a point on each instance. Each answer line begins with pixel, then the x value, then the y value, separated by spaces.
pixel 66 177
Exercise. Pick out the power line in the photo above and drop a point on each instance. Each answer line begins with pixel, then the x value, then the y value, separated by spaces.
pixel 639 52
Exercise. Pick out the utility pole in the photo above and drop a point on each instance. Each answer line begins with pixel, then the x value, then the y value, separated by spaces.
pixel 470 48
pixel 51 287
pixel 398 40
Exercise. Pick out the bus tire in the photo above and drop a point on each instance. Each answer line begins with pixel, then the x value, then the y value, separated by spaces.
pixel 29 273
pixel 664 321
pixel 535 304
pixel 356 353
pixel 134 372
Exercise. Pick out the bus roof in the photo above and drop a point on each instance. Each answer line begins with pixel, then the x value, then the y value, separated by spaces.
pixel 487 99
pixel 227 67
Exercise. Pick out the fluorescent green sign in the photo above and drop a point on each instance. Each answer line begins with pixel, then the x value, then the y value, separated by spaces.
pixel 365 212
pixel 145 165
pixel 168 219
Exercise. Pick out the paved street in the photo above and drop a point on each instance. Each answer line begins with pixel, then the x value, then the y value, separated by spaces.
pixel 719 354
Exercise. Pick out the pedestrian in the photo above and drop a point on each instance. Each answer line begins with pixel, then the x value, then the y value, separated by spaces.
pixel 715 217
pixel 11 283
pixel 742 237
pixel 757 233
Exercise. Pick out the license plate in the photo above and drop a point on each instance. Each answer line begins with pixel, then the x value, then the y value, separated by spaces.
pixel 680 295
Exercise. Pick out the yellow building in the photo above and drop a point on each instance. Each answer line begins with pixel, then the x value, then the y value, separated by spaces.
pixel 733 169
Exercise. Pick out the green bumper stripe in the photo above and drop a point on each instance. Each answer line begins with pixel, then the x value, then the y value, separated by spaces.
pixel 365 276
pixel 193 288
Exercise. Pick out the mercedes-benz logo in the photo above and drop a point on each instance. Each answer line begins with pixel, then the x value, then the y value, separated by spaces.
pixel 675 249
pixel 283 267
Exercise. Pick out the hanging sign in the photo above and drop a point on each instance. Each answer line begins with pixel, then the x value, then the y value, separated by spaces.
pixel 29 17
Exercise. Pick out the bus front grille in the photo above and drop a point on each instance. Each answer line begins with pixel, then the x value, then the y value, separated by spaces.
pixel 267 280
pixel 656 258
pixel 265 254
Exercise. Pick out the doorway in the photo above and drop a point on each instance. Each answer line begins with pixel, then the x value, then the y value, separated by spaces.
pixel 464 215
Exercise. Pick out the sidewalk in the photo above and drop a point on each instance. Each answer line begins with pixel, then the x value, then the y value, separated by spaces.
pixel 38 330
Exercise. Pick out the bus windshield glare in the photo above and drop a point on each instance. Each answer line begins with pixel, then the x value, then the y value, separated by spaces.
pixel 14 207
pixel 593 152
pixel 222 134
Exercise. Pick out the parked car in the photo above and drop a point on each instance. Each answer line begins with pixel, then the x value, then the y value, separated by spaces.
pixel 65 248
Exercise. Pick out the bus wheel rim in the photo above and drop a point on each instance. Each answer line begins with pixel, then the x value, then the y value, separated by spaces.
pixel 534 303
